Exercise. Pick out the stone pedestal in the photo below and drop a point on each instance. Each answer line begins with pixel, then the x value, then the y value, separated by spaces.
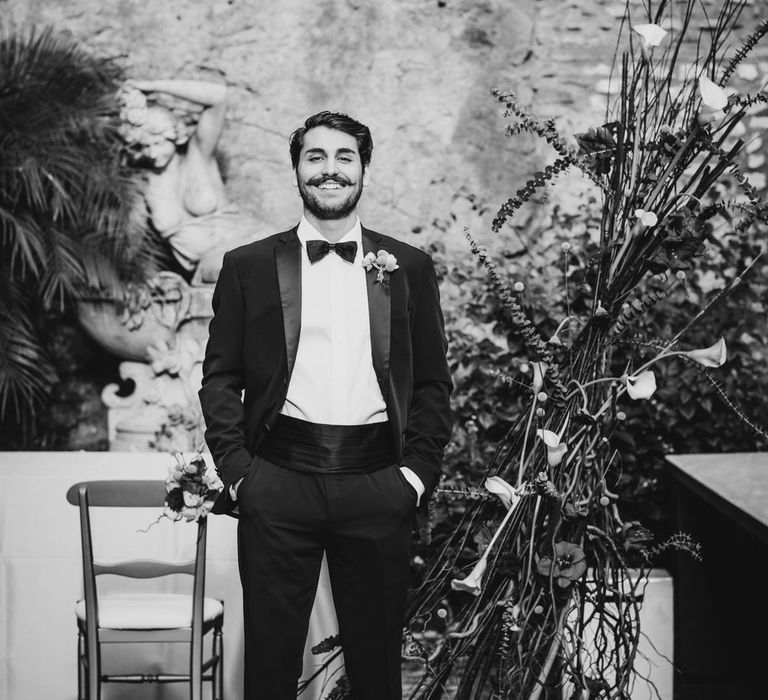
pixel 155 406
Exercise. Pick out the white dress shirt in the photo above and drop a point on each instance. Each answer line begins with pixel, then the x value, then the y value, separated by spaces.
pixel 333 380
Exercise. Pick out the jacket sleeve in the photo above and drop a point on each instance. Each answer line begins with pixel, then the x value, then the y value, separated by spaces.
pixel 429 422
pixel 224 378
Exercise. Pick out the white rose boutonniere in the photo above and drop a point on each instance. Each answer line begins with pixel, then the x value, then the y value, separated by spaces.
pixel 383 261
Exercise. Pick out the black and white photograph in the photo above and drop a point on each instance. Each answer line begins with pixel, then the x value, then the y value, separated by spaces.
pixel 383 350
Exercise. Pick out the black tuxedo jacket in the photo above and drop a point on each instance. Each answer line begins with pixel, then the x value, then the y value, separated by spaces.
pixel 254 336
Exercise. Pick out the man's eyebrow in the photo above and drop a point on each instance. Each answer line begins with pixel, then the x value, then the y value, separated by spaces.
pixel 322 151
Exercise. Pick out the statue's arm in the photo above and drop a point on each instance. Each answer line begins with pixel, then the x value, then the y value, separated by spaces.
pixel 212 96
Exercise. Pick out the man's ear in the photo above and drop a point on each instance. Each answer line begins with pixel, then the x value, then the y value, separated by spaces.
pixel 294 178
pixel 365 175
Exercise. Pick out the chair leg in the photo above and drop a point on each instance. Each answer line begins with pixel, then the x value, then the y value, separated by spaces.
pixel 196 668
pixel 218 668
pixel 93 672
pixel 80 666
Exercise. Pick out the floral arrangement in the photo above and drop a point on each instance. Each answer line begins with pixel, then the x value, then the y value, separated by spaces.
pixel 191 488
pixel 543 574
pixel 383 262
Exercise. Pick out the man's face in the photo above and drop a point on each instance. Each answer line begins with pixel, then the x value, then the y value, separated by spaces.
pixel 330 174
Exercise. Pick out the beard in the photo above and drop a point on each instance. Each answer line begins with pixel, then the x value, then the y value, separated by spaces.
pixel 329 211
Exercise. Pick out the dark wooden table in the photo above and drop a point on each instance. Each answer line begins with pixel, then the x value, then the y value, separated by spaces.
pixel 721 602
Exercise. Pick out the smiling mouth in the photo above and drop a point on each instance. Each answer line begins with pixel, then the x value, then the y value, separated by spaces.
pixel 329 184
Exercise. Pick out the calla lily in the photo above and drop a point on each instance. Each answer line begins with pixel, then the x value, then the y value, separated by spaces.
pixel 647 218
pixel 712 95
pixel 539 370
pixel 474 582
pixel 641 386
pixel 555 449
pixel 651 34
pixel 507 494
pixel 713 356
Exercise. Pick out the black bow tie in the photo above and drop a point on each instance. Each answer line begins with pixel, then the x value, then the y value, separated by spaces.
pixel 318 249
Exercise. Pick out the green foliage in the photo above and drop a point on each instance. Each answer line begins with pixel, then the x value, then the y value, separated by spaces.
pixel 719 410
pixel 608 309
pixel 67 205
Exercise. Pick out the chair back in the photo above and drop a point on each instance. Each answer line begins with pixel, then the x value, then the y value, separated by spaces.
pixel 120 493
pixel 132 494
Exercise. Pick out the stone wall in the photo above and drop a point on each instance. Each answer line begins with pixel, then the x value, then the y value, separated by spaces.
pixel 417 71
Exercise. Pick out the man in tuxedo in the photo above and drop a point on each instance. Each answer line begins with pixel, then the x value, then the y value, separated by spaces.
pixel 326 398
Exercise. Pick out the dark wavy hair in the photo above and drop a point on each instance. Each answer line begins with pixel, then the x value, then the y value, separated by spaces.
pixel 333 120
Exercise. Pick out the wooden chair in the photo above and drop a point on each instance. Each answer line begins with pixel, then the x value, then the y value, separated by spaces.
pixel 143 617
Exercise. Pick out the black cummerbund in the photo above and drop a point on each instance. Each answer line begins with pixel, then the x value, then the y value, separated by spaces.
pixel 339 449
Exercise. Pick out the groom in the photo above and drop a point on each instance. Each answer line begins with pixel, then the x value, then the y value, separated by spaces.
pixel 335 334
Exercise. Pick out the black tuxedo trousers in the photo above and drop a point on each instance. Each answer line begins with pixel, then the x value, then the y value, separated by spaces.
pixel 363 524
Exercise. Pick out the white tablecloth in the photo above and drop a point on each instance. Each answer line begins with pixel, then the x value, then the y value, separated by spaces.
pixel 41 577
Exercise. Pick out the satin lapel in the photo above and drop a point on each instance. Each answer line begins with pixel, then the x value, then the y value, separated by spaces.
pixel 288 263
pixel 380 313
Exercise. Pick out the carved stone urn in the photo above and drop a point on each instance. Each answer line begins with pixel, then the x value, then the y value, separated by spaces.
pixel 161 338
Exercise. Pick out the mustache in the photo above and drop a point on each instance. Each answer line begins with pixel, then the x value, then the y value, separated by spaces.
pixel 320 179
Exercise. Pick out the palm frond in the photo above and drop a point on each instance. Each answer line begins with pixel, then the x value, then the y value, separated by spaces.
pixel 26 373
pixel 69 219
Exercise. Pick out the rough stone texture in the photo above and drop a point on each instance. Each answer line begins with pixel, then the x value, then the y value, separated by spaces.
pixel 417 71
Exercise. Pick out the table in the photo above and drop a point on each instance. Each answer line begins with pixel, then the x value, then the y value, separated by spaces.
pixel 721 501
pixel 41 577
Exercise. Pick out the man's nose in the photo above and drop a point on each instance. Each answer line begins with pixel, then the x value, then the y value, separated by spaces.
pixel 331 167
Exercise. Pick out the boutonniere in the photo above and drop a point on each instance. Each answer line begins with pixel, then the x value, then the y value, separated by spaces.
pixel 383 262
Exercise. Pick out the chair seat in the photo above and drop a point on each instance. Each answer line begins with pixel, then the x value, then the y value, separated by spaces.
pixel 159 611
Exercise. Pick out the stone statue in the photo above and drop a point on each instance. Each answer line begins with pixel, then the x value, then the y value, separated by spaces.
pixel 171 129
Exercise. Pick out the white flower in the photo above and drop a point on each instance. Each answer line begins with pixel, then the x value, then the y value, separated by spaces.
pixel 189 514
pixel 498 487
pixel 556 450
pixel 136 116
pixel 131 96
pixel 647 218
pixel 369 260
pixel 474 582
pixel 192 500
pixel 641 386
pixel 171 514
pixel 190 468
pixel 712 95
pixel 713 356
pixel 382 261
pixel 212 481
pixel 651 34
